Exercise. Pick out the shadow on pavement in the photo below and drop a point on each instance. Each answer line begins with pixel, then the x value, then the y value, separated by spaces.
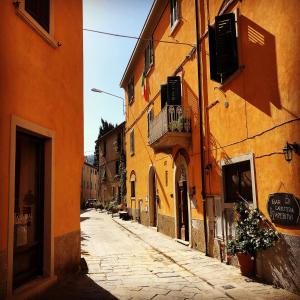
pixel 80 287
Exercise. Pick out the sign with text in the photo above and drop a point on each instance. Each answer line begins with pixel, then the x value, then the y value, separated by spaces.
pixel 283 209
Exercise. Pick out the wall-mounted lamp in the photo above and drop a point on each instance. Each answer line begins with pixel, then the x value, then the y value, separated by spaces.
pixel 288 150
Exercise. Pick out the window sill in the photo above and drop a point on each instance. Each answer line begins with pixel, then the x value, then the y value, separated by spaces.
pixel 174 27
pixel 38 28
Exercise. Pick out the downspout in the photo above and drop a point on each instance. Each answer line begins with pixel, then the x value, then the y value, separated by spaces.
pixel 203 193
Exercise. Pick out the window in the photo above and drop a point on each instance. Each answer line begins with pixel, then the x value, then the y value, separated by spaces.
pixel 237 182
pixel 117 167
pixel 103 148
pixel 148 57
pixel 150 117
pixel 174 10
pixel 132 142
pixel 40 11
pixel 223 54
pixel 130 90
pixel 174 90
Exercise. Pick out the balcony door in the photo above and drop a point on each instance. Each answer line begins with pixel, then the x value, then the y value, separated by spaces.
pixel 29 208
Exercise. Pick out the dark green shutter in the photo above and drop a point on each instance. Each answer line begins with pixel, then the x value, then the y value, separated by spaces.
pixel 163 95
pixel 174 90
pixel 226 46
pixel 212 54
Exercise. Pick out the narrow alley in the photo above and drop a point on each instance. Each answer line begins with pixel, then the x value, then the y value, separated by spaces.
pixel 126 260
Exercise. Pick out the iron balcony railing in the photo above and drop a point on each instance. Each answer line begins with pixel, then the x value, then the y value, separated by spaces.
pixel 172 118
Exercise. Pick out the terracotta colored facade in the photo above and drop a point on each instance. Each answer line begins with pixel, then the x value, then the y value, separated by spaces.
pixel 89 183
pixel 246 122
pixel 41 127
pixel 111 156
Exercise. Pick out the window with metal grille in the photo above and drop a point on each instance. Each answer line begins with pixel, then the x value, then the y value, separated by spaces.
pixel 223 52
pixel 174 10
pixel 130 90
pixel 148 57
pixel 132 142
pixel 40 11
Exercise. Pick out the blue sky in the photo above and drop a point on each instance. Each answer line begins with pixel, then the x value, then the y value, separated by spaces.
pixel 105 58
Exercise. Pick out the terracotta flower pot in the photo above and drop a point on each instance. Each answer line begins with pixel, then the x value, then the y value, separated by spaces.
pixel 246 264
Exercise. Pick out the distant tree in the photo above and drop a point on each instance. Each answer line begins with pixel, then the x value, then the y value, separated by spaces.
pixel 103 129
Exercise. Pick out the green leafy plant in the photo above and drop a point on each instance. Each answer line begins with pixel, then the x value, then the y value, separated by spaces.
pixel 252 231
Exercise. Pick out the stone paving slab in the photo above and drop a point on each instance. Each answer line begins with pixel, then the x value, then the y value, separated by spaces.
pixel 205 268
pixel 128 261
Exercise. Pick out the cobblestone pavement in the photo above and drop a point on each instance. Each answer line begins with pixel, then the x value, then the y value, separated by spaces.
pixel 127 260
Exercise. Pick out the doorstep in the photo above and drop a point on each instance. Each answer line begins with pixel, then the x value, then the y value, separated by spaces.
pixel 33 288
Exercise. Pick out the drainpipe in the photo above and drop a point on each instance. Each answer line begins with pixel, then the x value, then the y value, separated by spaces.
pixel 203 193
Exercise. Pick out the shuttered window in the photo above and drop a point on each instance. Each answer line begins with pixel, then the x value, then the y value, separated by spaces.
pixel 223 53
pixel 150 117
pixel 148 56
pixel 130 90
pixel 40 11
pixel 174 90
pixel 163 95
pixel 174 12
pixel 132 142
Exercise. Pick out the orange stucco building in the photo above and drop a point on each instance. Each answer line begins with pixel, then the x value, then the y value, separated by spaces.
pixel 212 116
pixel 41 137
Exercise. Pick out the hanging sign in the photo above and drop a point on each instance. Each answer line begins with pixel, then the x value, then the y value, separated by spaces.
pixel 283 208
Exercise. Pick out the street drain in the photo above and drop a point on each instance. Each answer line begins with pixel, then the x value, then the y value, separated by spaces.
pixel 228 287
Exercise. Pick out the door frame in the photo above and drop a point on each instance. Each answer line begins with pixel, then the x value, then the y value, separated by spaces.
pixel 19 124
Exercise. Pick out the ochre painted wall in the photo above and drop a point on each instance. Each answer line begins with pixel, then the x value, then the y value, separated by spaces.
pixel 43 85
pixel 167 57
pixel 263 95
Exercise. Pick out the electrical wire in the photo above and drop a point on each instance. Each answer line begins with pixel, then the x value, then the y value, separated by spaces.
pixel 137 38
pixel 256 135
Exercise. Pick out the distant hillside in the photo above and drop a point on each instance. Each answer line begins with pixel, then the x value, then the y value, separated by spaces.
pixel 90 159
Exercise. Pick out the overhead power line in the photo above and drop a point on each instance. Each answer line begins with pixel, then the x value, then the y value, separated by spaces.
pixel 137 38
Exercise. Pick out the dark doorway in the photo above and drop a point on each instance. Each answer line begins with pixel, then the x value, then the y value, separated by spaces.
pixel 152 198
pixel 29 209
pixel 182 208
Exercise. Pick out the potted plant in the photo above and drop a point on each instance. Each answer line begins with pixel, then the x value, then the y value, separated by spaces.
pixel 252 233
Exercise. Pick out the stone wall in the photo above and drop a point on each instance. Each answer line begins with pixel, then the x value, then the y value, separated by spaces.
pixel 198 240
pixel 3 273
pixel 145 218
pixel 166 225
pixel 67 253
pixel 280 265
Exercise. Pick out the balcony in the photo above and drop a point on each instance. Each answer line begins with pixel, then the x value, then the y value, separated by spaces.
pixel 171 127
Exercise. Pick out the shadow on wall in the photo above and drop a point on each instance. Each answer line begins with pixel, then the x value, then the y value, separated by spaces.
pixel 280 265
pixel 258 83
